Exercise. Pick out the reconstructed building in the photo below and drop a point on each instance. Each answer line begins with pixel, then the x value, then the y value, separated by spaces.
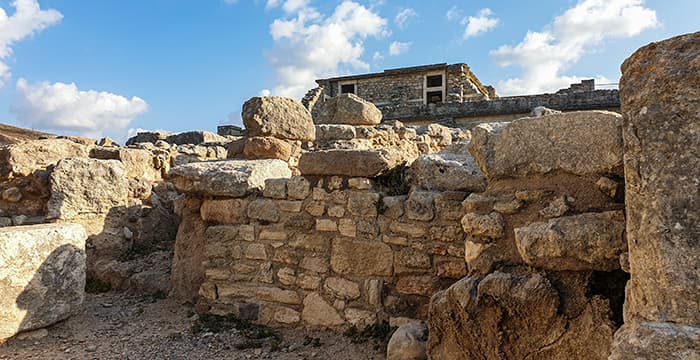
pixel 453 95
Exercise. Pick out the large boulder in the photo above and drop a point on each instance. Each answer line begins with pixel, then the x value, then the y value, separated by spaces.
pixel 590 241
pixel 348 109
pixel 24 158
pixel 352 163
pixel 267 148
pixel 278 117
pixel 516 316
pixel 580 143
pixel 661 127
pixel 42 275
pixel 449 170
pixel 233 178
pixel 85 188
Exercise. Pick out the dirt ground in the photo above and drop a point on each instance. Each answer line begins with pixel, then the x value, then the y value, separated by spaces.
pixel 115 326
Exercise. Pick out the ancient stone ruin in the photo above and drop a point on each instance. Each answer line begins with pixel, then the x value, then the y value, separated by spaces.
pixel 560 235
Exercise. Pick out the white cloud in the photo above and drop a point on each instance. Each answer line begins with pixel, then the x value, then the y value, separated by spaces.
pixel 398 48
pixel 309 45
pixel 403 16
pixel 27 20
pixel 454 13
pixel 377 56
pixel 544 55
pixel 480 24
pixel 64 108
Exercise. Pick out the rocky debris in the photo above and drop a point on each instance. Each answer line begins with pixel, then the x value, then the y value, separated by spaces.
pixel 660 105
pixel 144 275
pixel 451 169
pixel 267 148
pixel 318 312
pixel 354 163
pixel 348 109
pixel 234 178
pixel 408 342
pixel 42 280
pixel 580 143
pixel 148 137
pixel 84 188
pixel 654 340
pixel 278 117
pixel 591 241
pixel 516 316
pixel 24 158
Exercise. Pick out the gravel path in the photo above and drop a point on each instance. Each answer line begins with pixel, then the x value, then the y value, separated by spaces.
pixel 115 326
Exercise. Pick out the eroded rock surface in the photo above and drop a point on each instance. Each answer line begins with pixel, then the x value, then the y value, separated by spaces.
pixel 278 117
pixel 42 275
pixel 348 109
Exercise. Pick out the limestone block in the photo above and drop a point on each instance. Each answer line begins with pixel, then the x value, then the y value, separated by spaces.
pixel 331 132
pixel 360 183
pixel 308 281
pixel 478 203
pixel 318 312
pixel 233 178
pixel 661 115
pixel 420 205
pixel 326 225
pixel 24 158
pixel 414 230
pixel 194 137
pixel 490 225
pixel 277 295
pixel 446 171
pixel 581 143
pixel 290 206
pixel 348 109
pixel 268 147
pixel 42 275
pixel 347 227
pixel 264 210
pixel 298 188
pixel 352 163
pixel 656 340
pixel 360 318
pixel 394 206
pixel 285 315
pixel 275 188
pixel 363 204
pixel 278 117
pixel 84 188
pixel 424 285
pixel 227 211
pixel 361 258
pixel 341 288
pixel 187 272
pixel 315 264
pixel 590 241
pixel 411 261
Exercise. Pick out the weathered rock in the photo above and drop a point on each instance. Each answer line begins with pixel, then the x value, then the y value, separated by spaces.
pixel 408 342
pixel 420 205
pixel 42 275
pixel 581 143
pixel 445 171
pixel 353 163
pixel 278 117
pixel 148 137
pixel 195 137
pixel 24 158
pixel 234 178
pixel 225 211
pixel 329 132
pixel 661 115
pixel 348 109
pixel 83 188
pixel 513 316
pixel 235 148
pixel 658 341
pixel 543 111
pixel 187 273
pixel 491 225
pixel 318 312
pixel 591 241
pixel 361 258
pixel 267 148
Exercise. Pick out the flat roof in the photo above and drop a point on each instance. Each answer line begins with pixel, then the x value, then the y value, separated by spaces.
pixel 389 72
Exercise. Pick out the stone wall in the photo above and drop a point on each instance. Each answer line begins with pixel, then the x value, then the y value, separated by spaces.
pixel 329 251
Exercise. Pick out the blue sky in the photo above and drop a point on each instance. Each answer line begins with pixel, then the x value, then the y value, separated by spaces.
pixel 107 67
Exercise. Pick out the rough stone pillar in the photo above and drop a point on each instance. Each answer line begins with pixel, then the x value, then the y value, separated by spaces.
pixel 660 97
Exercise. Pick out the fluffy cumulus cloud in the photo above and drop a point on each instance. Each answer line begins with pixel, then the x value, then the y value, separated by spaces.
pixel 309 45
pixel 544 55
pixel 64 108
pixel 404 16
pixel 398 48
pixel 28 19
pixel 482 23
